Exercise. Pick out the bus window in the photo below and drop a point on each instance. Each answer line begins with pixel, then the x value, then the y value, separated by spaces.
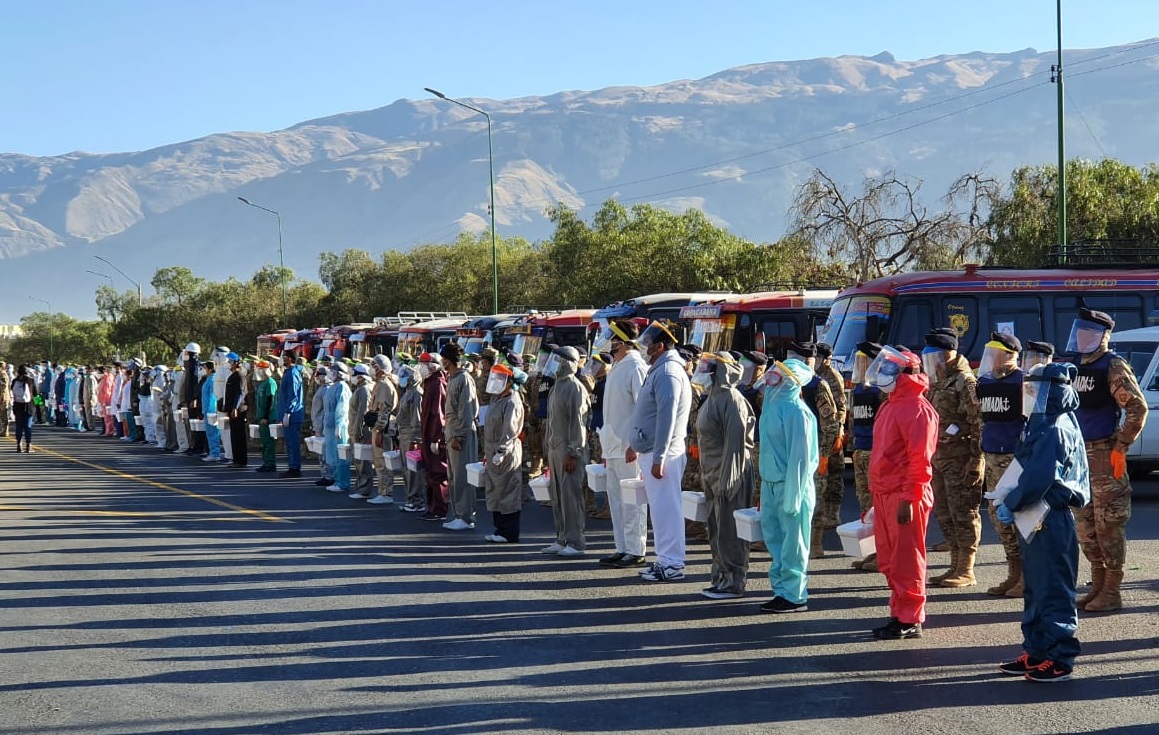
pixel 852 320
pixel 914 321
pixel 714 335
pixel 775 334
pixel 961 313
pixel 1126 310
pixel 1023 314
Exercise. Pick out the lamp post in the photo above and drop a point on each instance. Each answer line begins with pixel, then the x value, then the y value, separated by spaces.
pixel 281 260
pixel 1062 234
pixel 491 164
pixel 140 297
pixel 49 305
pixel 102 275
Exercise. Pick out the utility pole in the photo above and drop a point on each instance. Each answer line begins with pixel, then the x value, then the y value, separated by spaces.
pixel 1056 77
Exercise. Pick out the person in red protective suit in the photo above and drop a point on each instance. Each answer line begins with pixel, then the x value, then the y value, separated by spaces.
pixel 904 438
pixel 434 446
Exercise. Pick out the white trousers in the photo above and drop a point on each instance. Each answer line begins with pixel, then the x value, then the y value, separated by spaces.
pixel 181 427
pixel 629 522
pixel 664 499
pixel 145 406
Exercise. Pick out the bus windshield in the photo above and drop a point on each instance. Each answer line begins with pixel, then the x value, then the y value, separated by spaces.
pixel 852 320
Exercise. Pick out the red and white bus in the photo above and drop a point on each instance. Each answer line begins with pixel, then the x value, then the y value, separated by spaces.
pixel 767 321
pixel 1031 304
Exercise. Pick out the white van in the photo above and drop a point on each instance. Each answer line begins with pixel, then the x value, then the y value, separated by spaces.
pixel 1140 347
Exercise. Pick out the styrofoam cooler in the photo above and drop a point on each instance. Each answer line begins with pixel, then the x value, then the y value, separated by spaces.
pixel 475 474
pixel 255 431
pixel 110 411
pixel 392 459
pixel 748 524
pixel 277 431
pixel 137 419
pixel 363 452
pixel 197 424
pixel 343 451
pixel 211 418
pixel 539 487
pixel 632 492
pixel 695 506
pixel 223 421
pixel 414 460
pixel 857 538
pixel 183 414
pixel 315 444
pixel 597 478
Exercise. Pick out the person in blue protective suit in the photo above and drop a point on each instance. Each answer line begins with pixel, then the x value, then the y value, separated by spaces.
pixel 1054 471
pixel 788 460
pixel 336 430
pixel 209 401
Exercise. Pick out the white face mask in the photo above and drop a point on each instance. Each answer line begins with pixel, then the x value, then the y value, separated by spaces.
pixel 703 380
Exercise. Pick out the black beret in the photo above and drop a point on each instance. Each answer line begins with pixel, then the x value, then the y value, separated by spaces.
pixel 1042 348
pixel 824 350
pixel 689 348
pixel 514 360
pixel 869 349
pixel 685 354
pixel 758 358
pixel 942 338
pixel 736 355
pixel 1009 341
pixel 804 349
pixel 1098 317
pixel 582 352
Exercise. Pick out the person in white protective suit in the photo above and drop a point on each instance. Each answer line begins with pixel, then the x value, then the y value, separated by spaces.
pixel 336 429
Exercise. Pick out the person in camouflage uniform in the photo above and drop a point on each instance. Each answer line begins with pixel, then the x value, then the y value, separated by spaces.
pixel 589 385
pixel 691 480
pixel 481 372
pixel 1106 387
pixel 536 396
pixel 958 465
pixel 819 398
pixel 865 401
pixel 1000 397
pixel 833 489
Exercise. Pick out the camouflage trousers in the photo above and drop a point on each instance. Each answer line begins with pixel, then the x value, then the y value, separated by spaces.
pixel 957 485
pixel 996 465
pixel 533 447
pixel 832 487
pixel 861 479
pixel 1102 524
pixel 595 456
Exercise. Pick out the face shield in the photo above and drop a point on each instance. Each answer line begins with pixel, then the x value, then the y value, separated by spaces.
pixel 653 334
pixel 747 367
pixel 861 364
pixel 549 365
pixel 1085 337
pixel 934 361
pixel 1035 391
pixel 1030 359
pixel 607 336
pixel 704 373
pixel 997 361
pixel 883 372
pixel 498 380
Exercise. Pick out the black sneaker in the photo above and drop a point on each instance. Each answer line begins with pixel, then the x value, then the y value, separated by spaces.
pixel 628 561
pixel 896 630
pixel 413 508
pixel 1048 672
pixel 780 605
pixel 715 593
pixel 1019 666
pixel 431 516
pixel 323 482
pixel 288 474
pixel 610 561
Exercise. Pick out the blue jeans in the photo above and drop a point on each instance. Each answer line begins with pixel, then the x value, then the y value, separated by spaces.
pixel 294 444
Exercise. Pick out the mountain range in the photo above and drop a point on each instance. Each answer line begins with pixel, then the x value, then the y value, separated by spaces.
pixel 734 144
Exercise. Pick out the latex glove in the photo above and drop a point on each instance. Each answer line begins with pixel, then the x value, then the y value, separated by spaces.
pixel 1004 514
pixel 569 465
pixel 286 421
pixel 905 512
pixel 1118 463
pixel 823 465
pixel 378 439
pixel 497 458
pixel 435 447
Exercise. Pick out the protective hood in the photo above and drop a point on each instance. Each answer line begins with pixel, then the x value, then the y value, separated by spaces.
pixel 1056 395
pixel 727 375
pixel 785 379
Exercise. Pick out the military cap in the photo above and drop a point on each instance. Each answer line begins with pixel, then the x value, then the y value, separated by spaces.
pixel 1098 317
pixel 942 338
pixel 1009 341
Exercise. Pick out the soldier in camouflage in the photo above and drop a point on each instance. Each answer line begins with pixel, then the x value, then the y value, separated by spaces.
pixel 865 400
pixel 819 398
pixel 691 480
pixel 537 392
pixel 1106 386
pixel 958 465
pixel 831 492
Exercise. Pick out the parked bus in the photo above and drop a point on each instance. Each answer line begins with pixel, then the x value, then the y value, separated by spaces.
pixel 644 309
pixel 273 343
pixel 1031 304
pixel 429 336
pixel 562 328
pixel 382 338
pixel 768 321
pixel 304 342
pixel 338 340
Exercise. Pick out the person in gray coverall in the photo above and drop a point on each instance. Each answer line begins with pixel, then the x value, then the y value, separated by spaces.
pixel 503 481
pixel 565 444
pixel 461 411
pixel 725 426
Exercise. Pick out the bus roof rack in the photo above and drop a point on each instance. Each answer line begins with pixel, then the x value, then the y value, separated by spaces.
pixel 789 286
pixel 1102 253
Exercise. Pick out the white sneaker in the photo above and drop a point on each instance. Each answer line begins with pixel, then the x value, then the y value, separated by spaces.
pixel 458 525
pixel 209 459
pixel 380 500
pixel 553 549
pixel 336 489
pixel 357 495
pixel 570 551
pixel 496 539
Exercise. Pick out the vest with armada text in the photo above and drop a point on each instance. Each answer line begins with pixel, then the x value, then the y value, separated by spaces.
pixel 809 396
pixel 1002 420
pixel 1098 413
pixel 866 401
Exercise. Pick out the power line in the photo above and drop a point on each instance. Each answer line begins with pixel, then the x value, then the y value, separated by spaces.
pixel 1086 124
pixel 1114 53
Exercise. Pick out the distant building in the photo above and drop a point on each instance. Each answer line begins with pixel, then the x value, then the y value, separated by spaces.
pixel 10 331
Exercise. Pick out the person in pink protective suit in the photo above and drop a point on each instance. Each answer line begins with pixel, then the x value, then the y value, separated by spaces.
pixel 904 437
pixel 105 399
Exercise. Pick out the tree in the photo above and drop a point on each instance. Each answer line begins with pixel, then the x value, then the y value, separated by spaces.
pixel 176 284
pixel 887 229
pixel 111 304
pixel 61 338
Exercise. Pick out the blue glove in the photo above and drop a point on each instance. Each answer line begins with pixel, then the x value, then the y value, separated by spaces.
pixel 1004 514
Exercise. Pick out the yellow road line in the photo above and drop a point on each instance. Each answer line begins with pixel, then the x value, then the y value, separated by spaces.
pixel 163 486
pixel 126 513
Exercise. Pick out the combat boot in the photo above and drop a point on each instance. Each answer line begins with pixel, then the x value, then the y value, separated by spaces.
pixel 963 575
pixel 1017 590
pixel 1108 598
pixel 816 549
pixel 939 578
pixel 1013 577
pixel 1098 578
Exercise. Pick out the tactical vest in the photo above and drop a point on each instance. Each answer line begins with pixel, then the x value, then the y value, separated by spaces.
pixel 866 400
pixel 1098 413
pixel 809 396
pixel 1002 419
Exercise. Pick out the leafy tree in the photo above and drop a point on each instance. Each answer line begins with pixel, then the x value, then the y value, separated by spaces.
pixel 60 338
pixel 176 284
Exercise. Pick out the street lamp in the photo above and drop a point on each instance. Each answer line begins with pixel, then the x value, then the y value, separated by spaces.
pixel 49 305
pixel 140 298
pixel 281 260
pixel 491 163
pixel 102 275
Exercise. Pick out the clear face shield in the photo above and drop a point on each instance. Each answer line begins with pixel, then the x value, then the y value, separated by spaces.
pixel 1030 359
pixel 549 365
pixel 498 380
pixel 704 373
pixel 747 368
pixel 607 337
pixel 1035 391
pixel 997 361
pixel 934 362
pixel 1085 337
pixel 883 372
pixel 653 334
pixel 861 364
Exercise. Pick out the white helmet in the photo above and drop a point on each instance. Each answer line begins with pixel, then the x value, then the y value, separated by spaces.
pixel 193 348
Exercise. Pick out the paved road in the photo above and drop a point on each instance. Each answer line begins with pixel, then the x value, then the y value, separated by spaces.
pixel 143 593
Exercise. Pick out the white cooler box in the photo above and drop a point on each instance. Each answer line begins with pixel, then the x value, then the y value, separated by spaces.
pixel 110 411
pixel 363 452
pixel 223 421
pixel 414 460
pixel 393 459
pixel 597 478
pixel 475 474
pixel 695 506
pixel 857 538
pixel 137 419
pixel 183 414
pixel 197 424
pixel 210 419
pixel 633 493
pixel 315 444
pixel 277 431
pixel 255 431
pixel 343 451
pixel 748 524
pixel 539 488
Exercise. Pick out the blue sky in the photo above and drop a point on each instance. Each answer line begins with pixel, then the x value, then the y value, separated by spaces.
pixel 133 74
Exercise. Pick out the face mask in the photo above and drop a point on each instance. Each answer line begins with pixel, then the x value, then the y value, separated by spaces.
pixel 702 380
